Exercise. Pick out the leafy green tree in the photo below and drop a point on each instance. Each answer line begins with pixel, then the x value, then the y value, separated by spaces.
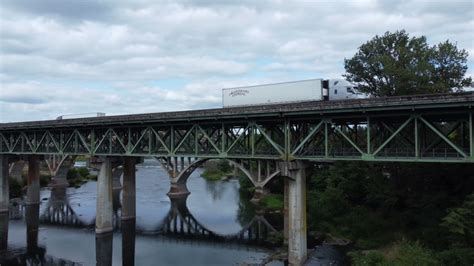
pixel 397 64
pixel 460 222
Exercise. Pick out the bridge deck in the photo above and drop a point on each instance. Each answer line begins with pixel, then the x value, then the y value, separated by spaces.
pixel 417 102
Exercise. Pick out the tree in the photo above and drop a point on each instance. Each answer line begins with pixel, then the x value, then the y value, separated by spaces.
pixel 397 64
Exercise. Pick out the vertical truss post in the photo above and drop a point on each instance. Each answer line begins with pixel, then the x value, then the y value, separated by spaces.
pixel 172 142
pixel 326 140
pixel 150 134
pixel 287 132
pixel 223 138
pixel 92 142
pixel 196 139
pixel 368 136
pixel 417 144
pixel 471 135
pixel 129 141
pixel 252 139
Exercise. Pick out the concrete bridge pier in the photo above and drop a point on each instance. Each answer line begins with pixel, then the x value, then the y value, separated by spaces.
pixel 129 189
pixel 59 166
pixel 4 190
pixel 32 224
pixel 33 189
pixel 116 174
pixel 3 230
pixel 297 242
pixel 104 210
pixel 103 249
pixel 128 242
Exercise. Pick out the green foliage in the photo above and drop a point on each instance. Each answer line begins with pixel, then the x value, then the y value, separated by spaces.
pixel 72 173
pixel 272 202
pixel 224 166
pixel 413 253
pixel 44 180
pixel 460 222
pixel 457 257
pixel 82 171
pixel 367 259
pixel 212 174
pixel 401 254
pixel 15 187
pixel 397 64
pixel 216 170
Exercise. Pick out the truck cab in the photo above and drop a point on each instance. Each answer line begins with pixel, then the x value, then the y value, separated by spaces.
pixel 341 89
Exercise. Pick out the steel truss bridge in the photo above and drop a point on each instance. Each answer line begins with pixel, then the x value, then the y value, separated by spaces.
pixel 426 128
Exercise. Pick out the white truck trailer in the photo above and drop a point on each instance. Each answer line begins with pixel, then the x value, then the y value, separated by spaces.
pixel 294 91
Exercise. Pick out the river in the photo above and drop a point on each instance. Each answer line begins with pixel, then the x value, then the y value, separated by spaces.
pixel 211 226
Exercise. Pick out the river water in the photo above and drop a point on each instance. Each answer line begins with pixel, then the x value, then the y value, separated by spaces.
pixel 211 226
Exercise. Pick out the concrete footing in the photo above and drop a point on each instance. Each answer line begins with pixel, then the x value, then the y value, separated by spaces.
pixel 178 189
pixel 129 189
pixel 104 210
pixel 4 189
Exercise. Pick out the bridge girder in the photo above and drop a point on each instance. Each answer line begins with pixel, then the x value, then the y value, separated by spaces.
pixel 435 136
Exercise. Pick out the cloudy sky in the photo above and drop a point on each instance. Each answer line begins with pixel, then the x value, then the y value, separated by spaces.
pixel 61 57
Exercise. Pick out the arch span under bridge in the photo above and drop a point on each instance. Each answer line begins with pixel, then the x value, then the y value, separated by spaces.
pixel 266 141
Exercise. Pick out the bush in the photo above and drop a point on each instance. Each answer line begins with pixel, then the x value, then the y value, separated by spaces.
pixel 44 180
pixel 272 202
pixel 15 187
pixel 72 173
pixel 82 171
pixel 457 257
pixel 400 254
pixel 367 259
pixel 212 174
pixel 413 253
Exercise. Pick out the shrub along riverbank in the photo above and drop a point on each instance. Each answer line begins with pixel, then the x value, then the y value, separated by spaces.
pixel 392 214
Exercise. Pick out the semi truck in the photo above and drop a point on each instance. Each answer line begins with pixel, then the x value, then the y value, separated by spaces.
pixel 293 91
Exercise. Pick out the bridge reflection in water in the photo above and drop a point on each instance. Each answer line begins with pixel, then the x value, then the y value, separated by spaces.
pixel 179 225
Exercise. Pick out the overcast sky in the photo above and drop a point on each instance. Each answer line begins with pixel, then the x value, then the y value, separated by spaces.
pixel 64 57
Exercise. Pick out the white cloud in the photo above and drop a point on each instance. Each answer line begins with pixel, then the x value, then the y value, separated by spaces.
pixel 144 56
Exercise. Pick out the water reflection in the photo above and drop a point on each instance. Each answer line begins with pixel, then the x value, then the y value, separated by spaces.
pixel 164 223
pixel 103 249
pixel 3 230
pixel 58 210
pixel 32 224
pixel 128 242
pixel 180 222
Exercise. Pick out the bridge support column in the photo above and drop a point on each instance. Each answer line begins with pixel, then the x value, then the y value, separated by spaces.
pixel 32 224
pixel 103 248
pixel 3 230
pixel 128 242
pixel 33 190
pixel 285 211
pixel 116 174
pixel 104 211
pixel 297 242
pixel 4 190
pixel 128 189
